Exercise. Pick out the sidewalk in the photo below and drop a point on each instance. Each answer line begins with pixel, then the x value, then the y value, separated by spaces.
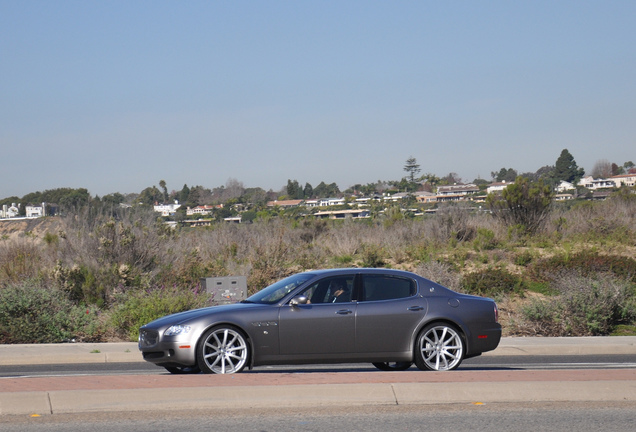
pixel 56 395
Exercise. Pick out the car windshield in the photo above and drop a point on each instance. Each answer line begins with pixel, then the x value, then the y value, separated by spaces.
pixel 273 293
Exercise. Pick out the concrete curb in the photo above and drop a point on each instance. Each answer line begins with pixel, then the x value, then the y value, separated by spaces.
pixel 22 354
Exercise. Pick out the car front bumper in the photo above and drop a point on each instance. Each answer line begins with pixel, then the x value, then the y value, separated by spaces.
pixel 166 351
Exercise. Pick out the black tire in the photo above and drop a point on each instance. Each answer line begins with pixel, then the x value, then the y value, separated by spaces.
pixel 223 350
pixel 393 366
pixel 439 347
pixel 183 370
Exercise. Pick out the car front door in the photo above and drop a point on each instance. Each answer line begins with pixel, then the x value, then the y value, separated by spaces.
pixel 325 325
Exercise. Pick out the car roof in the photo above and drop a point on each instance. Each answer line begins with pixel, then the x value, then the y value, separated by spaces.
pixel 356 270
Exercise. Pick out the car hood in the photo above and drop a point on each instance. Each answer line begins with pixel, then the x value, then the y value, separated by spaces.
pixel 183 317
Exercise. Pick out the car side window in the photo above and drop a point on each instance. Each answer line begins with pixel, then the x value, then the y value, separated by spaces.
pixel 387 287
pixel 330 290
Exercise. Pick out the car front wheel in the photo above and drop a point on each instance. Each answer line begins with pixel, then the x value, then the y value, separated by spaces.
pixel 222 350
pixel 439 348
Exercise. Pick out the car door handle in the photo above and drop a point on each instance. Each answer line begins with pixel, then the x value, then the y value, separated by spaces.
pixel 344 312
pixel 416 308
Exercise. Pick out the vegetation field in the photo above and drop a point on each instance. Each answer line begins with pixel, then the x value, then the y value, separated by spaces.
pixel 98 278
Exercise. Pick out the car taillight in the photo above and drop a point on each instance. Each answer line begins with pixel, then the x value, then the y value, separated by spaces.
pixel 496 313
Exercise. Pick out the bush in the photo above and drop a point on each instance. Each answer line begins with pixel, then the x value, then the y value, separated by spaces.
pixel 523 259
pixel 492 283
pixel 31 313
pixel 588 262
pixel 19 260
pixel 440 273
pixel 485 240
pixel 585 306
pixel 523 204
pixel 140 307
pixel 373 256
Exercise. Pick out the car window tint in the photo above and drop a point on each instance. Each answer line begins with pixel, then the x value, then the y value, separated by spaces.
pixel 385 287
pixel 337 289
pixel 280 289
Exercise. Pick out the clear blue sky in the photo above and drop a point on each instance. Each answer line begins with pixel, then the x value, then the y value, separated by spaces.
pixel 117 95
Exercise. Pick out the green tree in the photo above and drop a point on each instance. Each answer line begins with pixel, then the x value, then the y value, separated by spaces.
pixel 75 199
pixel 294 191
pixel 162 185
pixel 184 194
pixel 324 190
pixel 546 173
pixel 308 192
pixel 523 204
pixel 566 169
pixel 504 174
pixel 150 195
pixel 412 168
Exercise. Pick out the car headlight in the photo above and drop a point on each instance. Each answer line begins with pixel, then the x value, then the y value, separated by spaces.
pixel 177 330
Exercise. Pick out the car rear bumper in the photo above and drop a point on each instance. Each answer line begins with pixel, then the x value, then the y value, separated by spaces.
pixel 484 338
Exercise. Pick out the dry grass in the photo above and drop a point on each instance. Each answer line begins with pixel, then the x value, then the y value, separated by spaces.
pixel 108 257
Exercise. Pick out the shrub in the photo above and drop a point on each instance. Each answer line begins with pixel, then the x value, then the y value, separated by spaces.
pixel 440 273
pixel 585 306
pixel 588 263
pixel 31 313
pixel 492 283
pixel 523 204
pixel 485 240
pixel 19 260
pixel 524 258
pixel 140 307
pixel 81 284
pixel 373 256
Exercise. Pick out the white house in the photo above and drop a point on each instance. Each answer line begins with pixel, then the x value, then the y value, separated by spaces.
pixel 464 189
pixel 327 202
pixel 35 211
pixel 590 183
pixel 498 187
pixel 564 186
pixel 425 197
pixel 624 179
pixel 199 210
pixel 167 209
pixel 10 212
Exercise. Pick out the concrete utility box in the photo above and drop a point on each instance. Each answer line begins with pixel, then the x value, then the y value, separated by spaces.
pixel 228 289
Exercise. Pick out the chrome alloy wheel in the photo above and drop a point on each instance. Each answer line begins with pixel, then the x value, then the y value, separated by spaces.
pixel 223 350
pixel 440 348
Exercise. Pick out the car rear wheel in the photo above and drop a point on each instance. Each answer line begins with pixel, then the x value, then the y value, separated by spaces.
pixel 181 370
pixel 222 350
pixel 439 348
pixel 393 366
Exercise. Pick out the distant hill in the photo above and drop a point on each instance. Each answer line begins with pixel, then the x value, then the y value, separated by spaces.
pixel 38 227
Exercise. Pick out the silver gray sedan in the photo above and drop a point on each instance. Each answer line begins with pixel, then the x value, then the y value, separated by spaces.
pixel 390 318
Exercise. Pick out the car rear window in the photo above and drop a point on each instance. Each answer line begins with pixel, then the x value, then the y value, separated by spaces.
pixel 386 287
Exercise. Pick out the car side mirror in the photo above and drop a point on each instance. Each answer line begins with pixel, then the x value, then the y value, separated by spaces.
pixel 298 300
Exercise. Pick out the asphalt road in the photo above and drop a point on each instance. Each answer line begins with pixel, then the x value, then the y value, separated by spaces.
pixel 522 386
pixel 536 362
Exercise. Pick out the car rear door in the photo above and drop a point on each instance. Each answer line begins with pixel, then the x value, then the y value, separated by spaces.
pixel 388 311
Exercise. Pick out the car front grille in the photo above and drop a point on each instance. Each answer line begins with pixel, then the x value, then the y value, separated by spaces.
pixel 148 338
